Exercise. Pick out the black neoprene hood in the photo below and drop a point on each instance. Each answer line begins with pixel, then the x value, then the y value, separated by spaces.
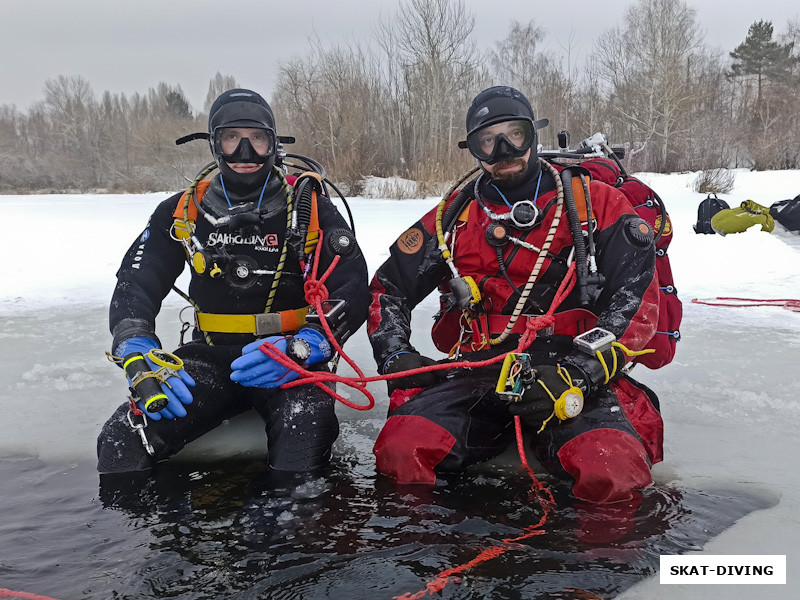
pixel 497 104
pixel 240 108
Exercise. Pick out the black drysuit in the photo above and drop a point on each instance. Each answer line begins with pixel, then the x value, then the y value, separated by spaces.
pixel 300 422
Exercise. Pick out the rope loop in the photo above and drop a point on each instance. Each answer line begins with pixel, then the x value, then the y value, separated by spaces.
pixel 315 291
pixel 537 323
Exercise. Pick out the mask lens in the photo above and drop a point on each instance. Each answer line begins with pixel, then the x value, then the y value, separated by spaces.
pixel 262 141
pixel 484 142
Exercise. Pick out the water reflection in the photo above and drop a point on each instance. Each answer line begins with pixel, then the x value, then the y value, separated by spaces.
pixel 232 530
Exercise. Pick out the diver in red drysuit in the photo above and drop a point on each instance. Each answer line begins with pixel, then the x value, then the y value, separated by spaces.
pixel 444 421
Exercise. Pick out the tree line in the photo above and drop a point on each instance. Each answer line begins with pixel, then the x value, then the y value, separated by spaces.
pixel 394 103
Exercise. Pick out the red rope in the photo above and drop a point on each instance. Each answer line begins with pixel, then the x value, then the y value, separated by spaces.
pixel 133 408
pixel 546 502
pixel 4 593
pixel 316 292
pixel 730 302
pixel 541 493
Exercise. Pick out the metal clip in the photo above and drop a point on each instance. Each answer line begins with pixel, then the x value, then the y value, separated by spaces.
pixel 571 256
pixel 185 324
pixel 184 328
pixel 140 428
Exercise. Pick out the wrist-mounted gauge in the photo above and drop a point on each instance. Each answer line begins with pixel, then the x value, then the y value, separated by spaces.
pixel 594 341
pixel 298 349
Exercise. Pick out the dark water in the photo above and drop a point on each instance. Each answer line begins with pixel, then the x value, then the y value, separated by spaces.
pixel 227 530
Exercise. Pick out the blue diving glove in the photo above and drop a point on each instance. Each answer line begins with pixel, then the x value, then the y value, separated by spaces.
pixel 255 369
pixel 176 388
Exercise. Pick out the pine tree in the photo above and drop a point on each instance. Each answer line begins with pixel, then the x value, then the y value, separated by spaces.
pixel 760 55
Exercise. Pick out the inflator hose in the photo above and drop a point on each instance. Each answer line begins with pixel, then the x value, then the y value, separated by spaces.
pixel 304 202
pixel 660 203
pixel 589 217
pixel 456 207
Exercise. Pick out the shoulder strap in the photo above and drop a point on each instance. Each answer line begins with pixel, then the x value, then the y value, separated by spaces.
pixel 312 237
pixel 180 210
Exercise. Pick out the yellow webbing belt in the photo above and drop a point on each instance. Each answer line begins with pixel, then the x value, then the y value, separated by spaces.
pixel 260 324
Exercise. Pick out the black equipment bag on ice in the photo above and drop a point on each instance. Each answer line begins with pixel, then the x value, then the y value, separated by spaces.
pixel 707 209
pixel 787 213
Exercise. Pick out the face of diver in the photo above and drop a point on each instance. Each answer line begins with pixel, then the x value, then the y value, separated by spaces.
pixel 506 170
pixel 233 140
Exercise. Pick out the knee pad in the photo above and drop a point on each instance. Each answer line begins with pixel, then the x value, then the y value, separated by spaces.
pixel 409 447
pixel 608 465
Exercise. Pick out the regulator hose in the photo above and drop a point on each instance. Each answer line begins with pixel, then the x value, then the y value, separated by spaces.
pixel 589 217
pixel 204 172
pixel 579 243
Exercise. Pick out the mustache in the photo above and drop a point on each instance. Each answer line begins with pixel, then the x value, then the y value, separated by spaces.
pixel 513 161
pixel 521 162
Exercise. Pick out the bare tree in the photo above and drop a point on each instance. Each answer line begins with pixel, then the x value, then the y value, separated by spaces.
pixel 70 109
pixel 438 64
pixel 219 83
pixel 332 101
pixel 394 104
pixel 516 60
pixel 647 66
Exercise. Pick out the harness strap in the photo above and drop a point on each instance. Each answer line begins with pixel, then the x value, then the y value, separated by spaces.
pixel 312 237
pixel 282 321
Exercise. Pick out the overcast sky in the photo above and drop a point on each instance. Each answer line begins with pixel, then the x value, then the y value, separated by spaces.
pixel 132 46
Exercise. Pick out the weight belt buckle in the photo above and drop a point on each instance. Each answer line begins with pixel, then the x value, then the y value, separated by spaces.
pixel 268 324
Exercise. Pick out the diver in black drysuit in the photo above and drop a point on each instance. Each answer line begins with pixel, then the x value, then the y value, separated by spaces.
pixel 243 259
